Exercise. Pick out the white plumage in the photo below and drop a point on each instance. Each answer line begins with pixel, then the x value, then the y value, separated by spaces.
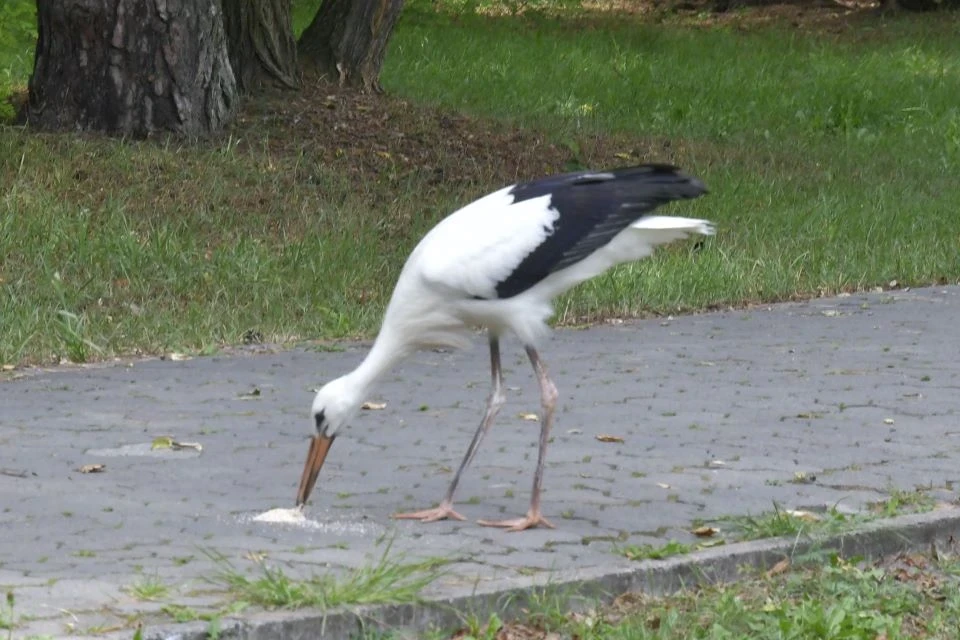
pixel 498 263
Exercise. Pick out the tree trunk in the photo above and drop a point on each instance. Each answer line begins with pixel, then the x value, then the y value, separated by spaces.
pixel 348 38
pixel 131 67
pixel 263 51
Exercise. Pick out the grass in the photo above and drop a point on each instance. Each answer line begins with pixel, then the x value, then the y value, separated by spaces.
pixel 653 552
pixel 7 618
pixel 909 596
pixel 386 581
pixel 830 156
pixel 779 522
pixel 149 588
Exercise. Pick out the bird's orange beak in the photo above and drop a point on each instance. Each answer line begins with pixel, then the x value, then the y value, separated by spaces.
pixel 319 446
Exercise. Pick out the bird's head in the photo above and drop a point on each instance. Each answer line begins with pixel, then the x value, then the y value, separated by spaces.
pixel 333 407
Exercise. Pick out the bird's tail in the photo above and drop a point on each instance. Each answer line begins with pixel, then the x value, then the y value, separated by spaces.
pixel 680 226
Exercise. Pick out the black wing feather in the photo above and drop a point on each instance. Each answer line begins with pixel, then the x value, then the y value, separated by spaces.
pixel 594 207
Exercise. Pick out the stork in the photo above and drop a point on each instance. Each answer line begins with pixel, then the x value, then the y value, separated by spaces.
pixel 498 263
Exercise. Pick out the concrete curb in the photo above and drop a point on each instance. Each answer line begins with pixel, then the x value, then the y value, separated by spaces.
pixel 717 564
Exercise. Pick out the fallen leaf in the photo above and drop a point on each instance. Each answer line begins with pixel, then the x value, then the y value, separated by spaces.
pixel 622 156
pixel 162 442
pixel 178 357
pixel 574 432
pixel 608 438
pixel 249 395
pixel 806 516
pixel 373 406
pixel 780 567
pixel 167 442
pixel 8 367
pixel 888 421
pixel 255 556
pixel 92 468
pixel 663 485
pixel 532 417
pixel 713 464
pixel 716 542
pixel 705 532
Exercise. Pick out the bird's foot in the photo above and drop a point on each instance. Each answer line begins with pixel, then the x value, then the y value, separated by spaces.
pixel 532 519
pixel 442 512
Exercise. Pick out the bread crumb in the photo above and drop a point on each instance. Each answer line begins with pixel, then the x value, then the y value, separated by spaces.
pixel 282 516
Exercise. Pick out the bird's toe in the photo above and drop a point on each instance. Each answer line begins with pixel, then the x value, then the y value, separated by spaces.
pixel 529 521
pixel 443 512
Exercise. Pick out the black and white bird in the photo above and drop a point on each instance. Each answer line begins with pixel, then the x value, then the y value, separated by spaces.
pixel 498 263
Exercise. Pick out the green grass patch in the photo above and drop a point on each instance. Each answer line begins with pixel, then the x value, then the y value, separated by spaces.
pixel 18 33
pixel 655 552
pixel 782 522
pixel 149 588
pixel 385 581
pixel 910 596
pixel 903 501
pixel 779 522
pixel 831 158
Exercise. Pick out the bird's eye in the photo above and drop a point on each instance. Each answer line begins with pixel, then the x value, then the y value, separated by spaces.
pixel 321 421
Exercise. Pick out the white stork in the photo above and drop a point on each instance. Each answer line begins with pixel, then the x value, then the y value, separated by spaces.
pixel 498 263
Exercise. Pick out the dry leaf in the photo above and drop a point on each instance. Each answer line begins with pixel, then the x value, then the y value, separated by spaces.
pixel 574 432
pixel 608 438
pixel 255 556
pixel 705 532
pixel 8 367
pixel 178 357
pixel 663 485
pixel 888 421
pixel 806 516
pixel 622 156
pixel 92 468
pixel 780 567
pixel 249 395
pixel 532 417
pixel 187 445
pixel 373 406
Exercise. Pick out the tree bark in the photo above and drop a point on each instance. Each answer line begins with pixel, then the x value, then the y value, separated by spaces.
pixel 131 67
pixel 263 51
pixel 347 40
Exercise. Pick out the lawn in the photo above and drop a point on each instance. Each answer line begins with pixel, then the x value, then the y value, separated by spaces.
pixel 907 596
pixel 830 150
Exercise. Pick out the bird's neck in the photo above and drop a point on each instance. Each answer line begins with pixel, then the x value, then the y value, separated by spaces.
pixel 387 351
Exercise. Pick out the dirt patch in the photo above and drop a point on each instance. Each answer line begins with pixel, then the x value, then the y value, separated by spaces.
pixel 384 140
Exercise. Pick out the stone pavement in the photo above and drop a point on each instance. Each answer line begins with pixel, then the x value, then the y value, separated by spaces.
pixel 718 413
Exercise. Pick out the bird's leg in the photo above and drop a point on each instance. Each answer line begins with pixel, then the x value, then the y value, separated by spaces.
pixel 548 401
pixel 494 403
